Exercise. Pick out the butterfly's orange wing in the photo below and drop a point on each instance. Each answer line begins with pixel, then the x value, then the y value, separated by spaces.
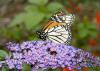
pixel 51 24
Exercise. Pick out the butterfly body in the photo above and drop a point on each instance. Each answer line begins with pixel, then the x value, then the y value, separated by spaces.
pixel 58 28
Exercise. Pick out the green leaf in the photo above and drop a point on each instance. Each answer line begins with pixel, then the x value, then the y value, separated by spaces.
pixel 52 69
pixel 54 6
pixel 55 70
pixel 32 38
pixel 97 68
pixel 26 67
pixel 18 19
pixel 5 68
pixel 15 33
pixel 30 19
pixel 31 8
pixel 48 16
pixel 86 20
pixel 33 18
pixel 3 54
pixel 38 2
pixel 40 70
pixel 45 70
pixel 83 32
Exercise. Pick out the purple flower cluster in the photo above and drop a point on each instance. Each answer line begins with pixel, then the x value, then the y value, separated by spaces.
pixel 47 54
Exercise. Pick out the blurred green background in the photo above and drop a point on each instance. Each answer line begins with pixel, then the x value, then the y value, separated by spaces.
pixel 19 19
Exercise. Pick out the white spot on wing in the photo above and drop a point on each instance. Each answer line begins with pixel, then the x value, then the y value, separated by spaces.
pixel 54 33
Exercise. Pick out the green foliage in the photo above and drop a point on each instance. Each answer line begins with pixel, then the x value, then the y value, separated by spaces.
pixel 3 54
pixel 26 67
pixel 55 70
pixel 38 2
pixel 87 29
pixel 17 19
pixel 54 6
pixel 31 8
pixel 32 19
pixel 50 69
pixel 5 68
pixel 34 14
pixel 97 68
pixel 14 34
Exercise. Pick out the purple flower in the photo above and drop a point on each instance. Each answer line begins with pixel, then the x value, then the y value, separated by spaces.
pixel 13 46
pixel 47 54
pixel 10 63
pixel 17 55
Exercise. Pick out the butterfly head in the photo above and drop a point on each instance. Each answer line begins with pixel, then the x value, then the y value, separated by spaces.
pixel 41 34
pixel 58 16
pixel 62 17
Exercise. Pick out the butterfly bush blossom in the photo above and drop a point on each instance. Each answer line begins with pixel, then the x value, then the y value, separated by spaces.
pixel 47 54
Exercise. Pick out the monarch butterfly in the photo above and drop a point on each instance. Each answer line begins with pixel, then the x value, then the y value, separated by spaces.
pixel 58 28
